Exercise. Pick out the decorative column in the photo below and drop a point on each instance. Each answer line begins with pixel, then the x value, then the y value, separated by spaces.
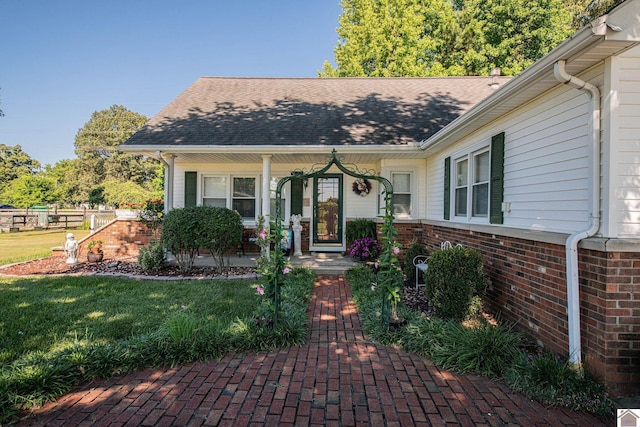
pixel 266 187
pixel 169 180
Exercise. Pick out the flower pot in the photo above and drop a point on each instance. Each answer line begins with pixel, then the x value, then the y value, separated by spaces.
pixel 94 256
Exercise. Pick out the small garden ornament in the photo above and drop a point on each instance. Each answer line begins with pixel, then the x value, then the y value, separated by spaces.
pixel 71 249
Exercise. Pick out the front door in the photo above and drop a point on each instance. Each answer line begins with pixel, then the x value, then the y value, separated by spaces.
pixel 327 211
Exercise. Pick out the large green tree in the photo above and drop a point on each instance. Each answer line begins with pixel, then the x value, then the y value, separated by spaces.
pixel 445 37
pixel 99 160
pixel 15 163
pixel 29 190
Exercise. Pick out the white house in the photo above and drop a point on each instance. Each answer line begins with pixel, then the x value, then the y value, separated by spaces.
pixel 540 172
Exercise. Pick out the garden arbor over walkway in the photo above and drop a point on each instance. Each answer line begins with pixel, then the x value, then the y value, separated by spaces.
pixel 388 273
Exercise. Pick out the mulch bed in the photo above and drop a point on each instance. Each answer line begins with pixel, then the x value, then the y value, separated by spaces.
pixel 116 266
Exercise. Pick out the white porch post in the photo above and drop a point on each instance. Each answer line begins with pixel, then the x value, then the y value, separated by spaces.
pixel 266 196
pixel 266 187
pixel 169 180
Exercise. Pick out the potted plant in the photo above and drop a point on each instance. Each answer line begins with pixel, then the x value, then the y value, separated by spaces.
pixel 95 253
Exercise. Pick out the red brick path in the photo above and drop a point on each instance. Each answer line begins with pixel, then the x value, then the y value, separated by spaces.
pixel 337 378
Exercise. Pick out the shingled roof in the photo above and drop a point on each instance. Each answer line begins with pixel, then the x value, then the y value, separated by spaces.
pixel 218 111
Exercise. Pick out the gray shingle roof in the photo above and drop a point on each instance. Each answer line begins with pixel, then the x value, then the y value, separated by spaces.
pixel 222 111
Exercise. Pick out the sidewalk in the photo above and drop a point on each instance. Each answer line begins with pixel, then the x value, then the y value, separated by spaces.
pixel 337 378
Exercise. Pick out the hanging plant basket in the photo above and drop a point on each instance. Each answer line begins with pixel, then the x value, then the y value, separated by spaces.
pixel 361 187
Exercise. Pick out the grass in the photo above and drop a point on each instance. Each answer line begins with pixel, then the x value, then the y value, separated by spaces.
pixel 488 348
pixel 28 245
pixel 58 332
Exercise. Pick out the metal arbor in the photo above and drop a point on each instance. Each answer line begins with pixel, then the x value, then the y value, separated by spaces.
pixel 388 231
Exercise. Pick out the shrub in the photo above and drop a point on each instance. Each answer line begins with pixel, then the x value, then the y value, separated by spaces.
pixel 454 277
pixel 485 348
pixel 151 257
pixel 549 380
pixel 181 234
pixel 222 231
pixel 359 229
pixel 413 251
pixel 186 230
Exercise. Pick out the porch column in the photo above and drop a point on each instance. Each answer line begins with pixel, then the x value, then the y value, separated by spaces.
pixel 168 182
pixel 266 187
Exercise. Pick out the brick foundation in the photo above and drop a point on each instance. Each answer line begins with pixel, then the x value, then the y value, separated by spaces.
pixel 528 287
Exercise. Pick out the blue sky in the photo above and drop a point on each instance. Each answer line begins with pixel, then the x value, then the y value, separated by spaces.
pixel 62 60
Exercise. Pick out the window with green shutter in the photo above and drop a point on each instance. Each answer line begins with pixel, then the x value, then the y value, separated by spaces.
pixel 474 183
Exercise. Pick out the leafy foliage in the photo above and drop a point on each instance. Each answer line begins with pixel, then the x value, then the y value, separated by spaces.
pixel 454 277
pixel 486 348
pixel 547 379
pixel 15 163
pixel 359 229
pixel 186 230
pixel 394 38
pixel 152 256
pixel 221 232
pixel 99 161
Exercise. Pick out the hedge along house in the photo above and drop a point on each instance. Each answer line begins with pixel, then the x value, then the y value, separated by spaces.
pixel 541 173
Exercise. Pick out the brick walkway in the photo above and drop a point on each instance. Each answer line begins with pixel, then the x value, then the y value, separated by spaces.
pixel 337 378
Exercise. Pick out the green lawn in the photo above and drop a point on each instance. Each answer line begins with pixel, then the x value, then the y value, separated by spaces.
pixel 26 245
pixel 48 314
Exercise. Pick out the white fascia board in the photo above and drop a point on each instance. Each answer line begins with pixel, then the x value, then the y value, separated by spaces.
pixel 269 149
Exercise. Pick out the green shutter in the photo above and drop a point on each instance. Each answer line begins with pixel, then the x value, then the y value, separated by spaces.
pixel 190 188
pixel 447 188
pixel 497 179
pixel 296 196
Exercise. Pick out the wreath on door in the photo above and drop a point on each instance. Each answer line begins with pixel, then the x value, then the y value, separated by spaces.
pixel 361 187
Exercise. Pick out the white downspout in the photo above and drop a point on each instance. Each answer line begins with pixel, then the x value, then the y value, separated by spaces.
pixel 168 182
pixel 573 292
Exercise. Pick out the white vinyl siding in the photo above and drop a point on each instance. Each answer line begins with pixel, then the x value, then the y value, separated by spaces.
pixel 623 190
pixel 546 165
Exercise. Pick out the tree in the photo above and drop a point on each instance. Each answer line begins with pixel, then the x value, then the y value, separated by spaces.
pixel 63 175
pixel 96 147
pixel 15 163
pixel 585 11
pixel 30 190
pixel 445 37
pixel 389 38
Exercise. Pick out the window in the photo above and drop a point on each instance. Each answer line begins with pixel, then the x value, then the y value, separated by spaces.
pixel 472 185
pixel 401 194
pixel 244 197
pixel 214 192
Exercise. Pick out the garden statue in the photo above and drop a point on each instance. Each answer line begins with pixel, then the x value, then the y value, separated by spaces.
pixel 71 249
pixel 297 235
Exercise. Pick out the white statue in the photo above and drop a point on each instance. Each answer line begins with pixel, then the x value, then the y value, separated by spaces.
pixel 297 235
pixel 71 249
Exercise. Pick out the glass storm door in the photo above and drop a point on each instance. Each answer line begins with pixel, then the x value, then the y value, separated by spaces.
pixel 327 210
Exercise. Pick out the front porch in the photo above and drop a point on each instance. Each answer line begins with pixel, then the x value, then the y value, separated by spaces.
pixel 319 262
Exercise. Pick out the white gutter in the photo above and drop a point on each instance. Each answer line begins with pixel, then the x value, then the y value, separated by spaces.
pixel 573 291
pixel 168 182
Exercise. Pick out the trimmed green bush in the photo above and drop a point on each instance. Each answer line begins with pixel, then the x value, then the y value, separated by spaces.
pixel 454 277
pixel 151 257
pixel 186 230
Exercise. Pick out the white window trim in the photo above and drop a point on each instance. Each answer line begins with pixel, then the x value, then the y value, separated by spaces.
pixel 412 191
pixel 229 192
pixel 468 155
